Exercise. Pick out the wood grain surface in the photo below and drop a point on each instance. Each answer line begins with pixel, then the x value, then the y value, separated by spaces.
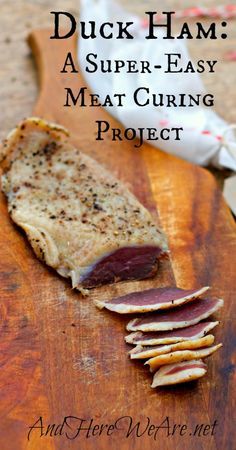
pixel 60 356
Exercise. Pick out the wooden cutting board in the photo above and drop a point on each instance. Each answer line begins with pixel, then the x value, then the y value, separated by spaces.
pixel 60 356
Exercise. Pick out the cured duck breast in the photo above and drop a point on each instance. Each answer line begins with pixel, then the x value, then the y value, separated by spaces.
pixel 140 352
pixel 181 317
pixel 179 356
pixel 151 300
pixel 179 373
pixel 168 337
pixel 78 218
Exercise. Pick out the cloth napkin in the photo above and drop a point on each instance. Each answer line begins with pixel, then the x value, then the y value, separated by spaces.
pixel 206 139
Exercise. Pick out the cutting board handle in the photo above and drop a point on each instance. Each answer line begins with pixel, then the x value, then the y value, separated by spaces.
pixel 50 55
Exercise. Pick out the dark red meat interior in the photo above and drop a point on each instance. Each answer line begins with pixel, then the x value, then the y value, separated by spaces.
pixel 199 365
pixel 153 296
pixel 187 312
pixel 126 263
pixel 187 332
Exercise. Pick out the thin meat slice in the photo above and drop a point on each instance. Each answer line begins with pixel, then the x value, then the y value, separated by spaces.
pixel 188 314
pixel 140 352
pixel 79 219
pixel 179 373
pixel 168 337
pixel 179 356
pixel 151 300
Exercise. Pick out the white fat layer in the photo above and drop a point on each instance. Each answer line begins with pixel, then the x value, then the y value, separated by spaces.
pixel 51 209
pixel 139 352
pixel 180 356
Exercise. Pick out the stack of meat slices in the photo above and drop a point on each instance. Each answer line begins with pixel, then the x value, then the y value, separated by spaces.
pixel 170 332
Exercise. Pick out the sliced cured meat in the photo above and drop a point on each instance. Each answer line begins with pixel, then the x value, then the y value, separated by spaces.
pixel 179 373
pixel 79 219
pixel 140 352
pixel 168 337
pixel 188 314
pixel 151 300
pixel 179 356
